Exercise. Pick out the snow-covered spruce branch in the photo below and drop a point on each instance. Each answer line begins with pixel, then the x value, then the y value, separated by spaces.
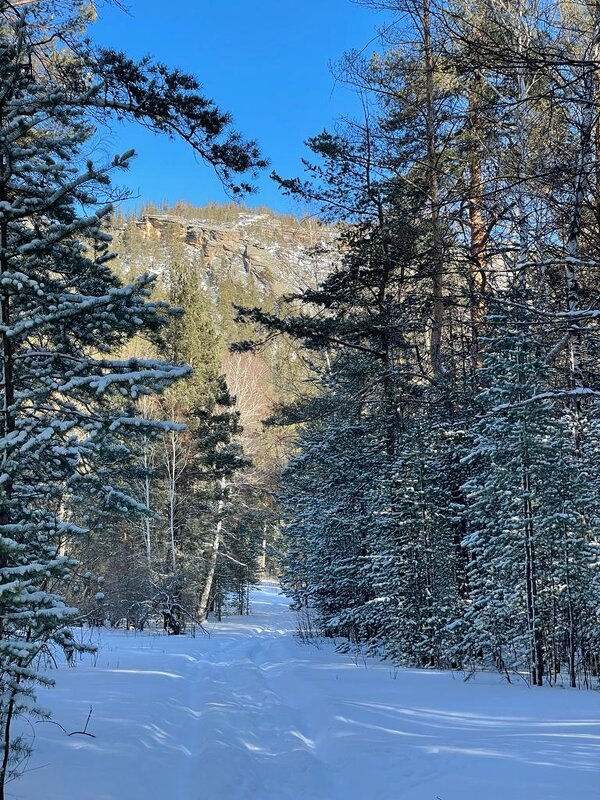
pixel 559 394
pixel 100 383
pixel 75 305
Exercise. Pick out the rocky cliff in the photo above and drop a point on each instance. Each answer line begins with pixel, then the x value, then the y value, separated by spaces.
pixel 259 252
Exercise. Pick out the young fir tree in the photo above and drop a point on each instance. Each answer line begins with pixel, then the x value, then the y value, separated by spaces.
pixel 221 458
pixel 532 516
pixel 325 512
pixel 416 570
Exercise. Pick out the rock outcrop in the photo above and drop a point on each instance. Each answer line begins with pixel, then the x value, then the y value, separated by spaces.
pixel 267 253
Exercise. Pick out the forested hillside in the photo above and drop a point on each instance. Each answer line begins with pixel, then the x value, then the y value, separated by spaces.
pixel 443 507
pixel 211 485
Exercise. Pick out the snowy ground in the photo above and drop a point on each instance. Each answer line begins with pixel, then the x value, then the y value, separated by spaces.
pixel 250 713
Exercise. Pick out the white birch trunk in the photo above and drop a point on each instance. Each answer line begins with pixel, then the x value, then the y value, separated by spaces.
pixel 146 529
pixel 214 553
pixel 171 448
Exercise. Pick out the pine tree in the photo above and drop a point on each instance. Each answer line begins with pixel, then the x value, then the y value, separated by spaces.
pixel 416 571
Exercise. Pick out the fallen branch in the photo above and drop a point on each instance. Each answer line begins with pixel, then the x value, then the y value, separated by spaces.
pixel 84 732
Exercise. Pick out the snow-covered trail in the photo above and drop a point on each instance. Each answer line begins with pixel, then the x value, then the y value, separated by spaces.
pixel 249 713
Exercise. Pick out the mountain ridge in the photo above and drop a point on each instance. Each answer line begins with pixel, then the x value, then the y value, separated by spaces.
pixel 259 250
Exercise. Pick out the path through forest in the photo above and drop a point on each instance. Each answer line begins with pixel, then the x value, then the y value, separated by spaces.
pixel 250 713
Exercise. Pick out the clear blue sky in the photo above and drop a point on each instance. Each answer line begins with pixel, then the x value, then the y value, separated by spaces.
pixel 264 61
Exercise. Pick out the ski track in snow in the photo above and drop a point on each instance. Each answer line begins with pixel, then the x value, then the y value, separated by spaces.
pixel 249 713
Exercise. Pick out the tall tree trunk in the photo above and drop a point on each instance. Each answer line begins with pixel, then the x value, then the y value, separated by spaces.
pixel 595 9
pixel 172 494
pixel 385 304
pixel 477 267
pixel 535 632
pixel 7 422
pixel 571 617
pixel 437 249
pixel 589 138
pixel 7 426
pixel 597 170
pixel 147 497
pixel 214 552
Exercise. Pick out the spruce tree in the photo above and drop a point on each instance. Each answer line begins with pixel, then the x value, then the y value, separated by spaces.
pixel 67 400
pixel 63 315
